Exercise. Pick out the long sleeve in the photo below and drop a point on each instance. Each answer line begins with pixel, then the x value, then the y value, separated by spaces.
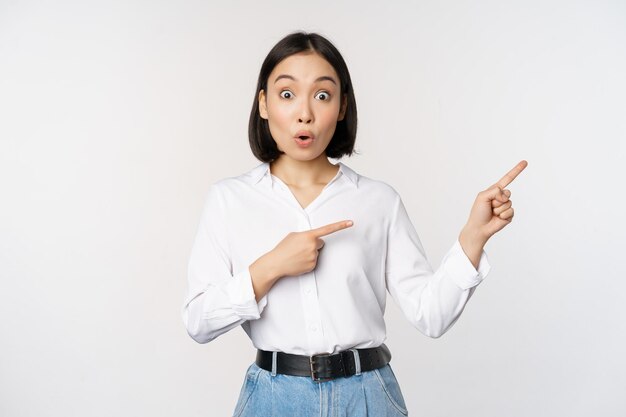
pixel 217 299
pixel 431 301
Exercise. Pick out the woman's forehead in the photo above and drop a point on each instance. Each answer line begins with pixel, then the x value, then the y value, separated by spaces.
pixel 304 67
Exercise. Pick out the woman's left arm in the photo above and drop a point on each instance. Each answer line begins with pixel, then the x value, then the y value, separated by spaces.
pixel 491 212
pixel 431 300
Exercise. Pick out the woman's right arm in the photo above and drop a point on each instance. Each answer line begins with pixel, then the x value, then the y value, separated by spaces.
pixel 219 299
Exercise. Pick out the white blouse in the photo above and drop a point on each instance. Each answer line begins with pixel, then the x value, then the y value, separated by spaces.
pixel 341 303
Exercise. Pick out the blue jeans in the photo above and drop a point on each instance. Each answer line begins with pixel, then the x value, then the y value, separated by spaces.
pixel 373 393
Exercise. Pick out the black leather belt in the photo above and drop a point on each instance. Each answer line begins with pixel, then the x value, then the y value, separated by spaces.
pixel 325 367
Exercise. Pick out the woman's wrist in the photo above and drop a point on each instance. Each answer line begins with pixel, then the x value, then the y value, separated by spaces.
pixel 264 275
pixel 472 242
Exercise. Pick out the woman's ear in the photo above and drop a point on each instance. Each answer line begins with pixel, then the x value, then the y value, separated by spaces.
pixel 262 105
pixel 342 109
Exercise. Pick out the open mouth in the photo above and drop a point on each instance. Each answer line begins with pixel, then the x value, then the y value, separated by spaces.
pixel 303 141
pixel 304 135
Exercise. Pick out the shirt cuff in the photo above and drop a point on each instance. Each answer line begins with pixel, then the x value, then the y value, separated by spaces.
pixel 242 298
pixel 461 269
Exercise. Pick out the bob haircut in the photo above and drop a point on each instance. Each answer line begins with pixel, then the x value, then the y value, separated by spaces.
pixel 342 143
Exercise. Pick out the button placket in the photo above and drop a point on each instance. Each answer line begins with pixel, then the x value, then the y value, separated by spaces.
pixel 309 296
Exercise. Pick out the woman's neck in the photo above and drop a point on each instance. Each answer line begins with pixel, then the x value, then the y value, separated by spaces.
pixel 303 174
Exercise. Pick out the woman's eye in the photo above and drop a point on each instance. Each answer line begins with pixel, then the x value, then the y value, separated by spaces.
pixel 286 94
pixel 323 95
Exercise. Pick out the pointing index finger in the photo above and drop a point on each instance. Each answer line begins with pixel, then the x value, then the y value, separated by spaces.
pixel 331 228
pixel 512 174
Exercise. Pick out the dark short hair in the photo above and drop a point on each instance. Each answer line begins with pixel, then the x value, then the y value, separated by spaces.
pixel 342 143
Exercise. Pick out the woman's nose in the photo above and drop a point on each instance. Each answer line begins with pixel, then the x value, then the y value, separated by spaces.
pixel 306 116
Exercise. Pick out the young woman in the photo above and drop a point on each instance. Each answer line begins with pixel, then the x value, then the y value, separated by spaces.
pixel 300 252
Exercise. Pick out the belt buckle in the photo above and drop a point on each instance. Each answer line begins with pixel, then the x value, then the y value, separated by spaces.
pixel 312 364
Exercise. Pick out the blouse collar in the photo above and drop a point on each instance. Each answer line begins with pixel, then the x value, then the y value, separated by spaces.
pixel 262 172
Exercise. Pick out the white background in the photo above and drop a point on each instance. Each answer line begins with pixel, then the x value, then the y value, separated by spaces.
pixel 115 116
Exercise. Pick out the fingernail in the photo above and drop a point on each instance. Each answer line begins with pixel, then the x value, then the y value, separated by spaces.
pixel 349 222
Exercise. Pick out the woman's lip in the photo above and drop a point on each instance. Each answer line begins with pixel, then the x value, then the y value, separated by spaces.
pixel 304 133
pixel 304 143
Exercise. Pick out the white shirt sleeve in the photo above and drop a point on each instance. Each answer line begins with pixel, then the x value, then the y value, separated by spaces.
pixel 431 301
pixel 217 299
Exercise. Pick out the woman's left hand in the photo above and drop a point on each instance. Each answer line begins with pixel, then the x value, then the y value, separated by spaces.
pixel 491 212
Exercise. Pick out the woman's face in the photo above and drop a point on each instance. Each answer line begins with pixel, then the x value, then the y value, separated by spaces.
pixel 303 98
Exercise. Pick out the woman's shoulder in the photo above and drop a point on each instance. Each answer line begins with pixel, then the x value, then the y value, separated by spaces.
pixel 372 186
pixel 249 177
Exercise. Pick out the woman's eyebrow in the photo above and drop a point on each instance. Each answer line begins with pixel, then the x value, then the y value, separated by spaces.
pixel 322 78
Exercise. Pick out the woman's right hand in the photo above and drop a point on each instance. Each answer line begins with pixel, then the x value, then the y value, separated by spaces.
pixel 297 253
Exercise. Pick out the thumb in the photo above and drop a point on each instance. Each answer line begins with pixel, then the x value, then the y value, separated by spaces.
pixel 495 193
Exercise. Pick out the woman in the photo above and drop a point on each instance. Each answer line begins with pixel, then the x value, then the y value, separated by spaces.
pixel 316 316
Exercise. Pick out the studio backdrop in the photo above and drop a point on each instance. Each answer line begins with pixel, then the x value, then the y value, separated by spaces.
pixel 116 116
